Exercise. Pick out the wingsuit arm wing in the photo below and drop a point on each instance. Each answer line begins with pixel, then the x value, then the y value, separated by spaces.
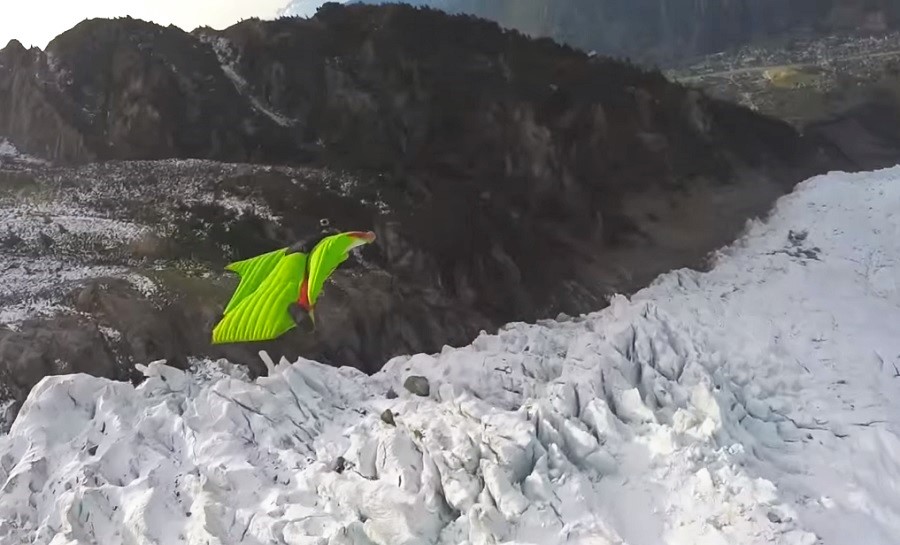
pixel 307 244
pixel 328 255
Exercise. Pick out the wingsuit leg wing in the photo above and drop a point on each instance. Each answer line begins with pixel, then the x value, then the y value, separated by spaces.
pixel 264 314
pixel 252 272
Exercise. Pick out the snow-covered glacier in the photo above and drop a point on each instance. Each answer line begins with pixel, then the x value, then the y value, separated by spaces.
pixel 755 403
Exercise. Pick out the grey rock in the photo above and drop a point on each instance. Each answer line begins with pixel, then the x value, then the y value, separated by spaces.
pixel 417 385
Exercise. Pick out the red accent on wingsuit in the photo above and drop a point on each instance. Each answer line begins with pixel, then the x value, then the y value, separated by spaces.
pixel 368 236
pixel 303 300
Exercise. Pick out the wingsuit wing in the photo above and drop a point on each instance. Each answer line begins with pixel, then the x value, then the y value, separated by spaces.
pixel 271 282
pixel 262 314
pixel 252 272
pixel 327 255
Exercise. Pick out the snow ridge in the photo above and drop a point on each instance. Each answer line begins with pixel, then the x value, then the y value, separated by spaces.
pixel 756 403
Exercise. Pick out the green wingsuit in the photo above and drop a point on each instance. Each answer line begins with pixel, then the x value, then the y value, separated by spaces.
pixel 270 283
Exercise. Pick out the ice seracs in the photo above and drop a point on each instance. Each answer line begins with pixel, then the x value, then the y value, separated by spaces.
pixel 755 403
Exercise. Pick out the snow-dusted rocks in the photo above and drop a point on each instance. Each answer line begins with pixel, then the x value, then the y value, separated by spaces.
pixel 757 403
pixel 11 156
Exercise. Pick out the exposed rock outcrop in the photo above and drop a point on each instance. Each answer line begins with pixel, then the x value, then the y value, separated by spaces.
pixel 28 111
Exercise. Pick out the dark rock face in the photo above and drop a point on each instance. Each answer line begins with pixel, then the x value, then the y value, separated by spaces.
pixel 507 179
pixel 61 346
pixel 669 30
pixel 28 111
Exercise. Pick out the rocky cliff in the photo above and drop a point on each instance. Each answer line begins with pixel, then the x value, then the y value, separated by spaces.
pixel 507 179
pixel 665 31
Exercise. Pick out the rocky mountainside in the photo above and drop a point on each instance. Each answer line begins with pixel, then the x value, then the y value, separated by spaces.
pixel 666 31
pixel 507 179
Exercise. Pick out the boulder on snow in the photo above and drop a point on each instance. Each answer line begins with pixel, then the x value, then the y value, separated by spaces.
pixel 417 385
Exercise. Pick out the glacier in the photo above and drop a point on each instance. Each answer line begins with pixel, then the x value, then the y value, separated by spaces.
pixel 757 402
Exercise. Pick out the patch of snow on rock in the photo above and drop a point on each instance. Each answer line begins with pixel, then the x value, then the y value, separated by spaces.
pixel 142 284
pixel 10 154
pixel 13 314
pixel 113 335
pixel 228 60
pixel 63 228
pixel 33 286
pixel 207 371
pixel 756 403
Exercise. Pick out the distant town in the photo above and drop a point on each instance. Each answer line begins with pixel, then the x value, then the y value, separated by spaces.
pixel 799 80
